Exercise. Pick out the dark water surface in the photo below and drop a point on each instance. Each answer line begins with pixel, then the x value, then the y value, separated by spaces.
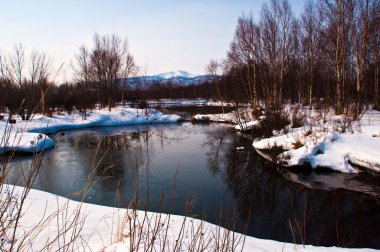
pixel 319 207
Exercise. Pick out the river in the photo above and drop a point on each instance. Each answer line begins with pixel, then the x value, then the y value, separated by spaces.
pixel 209 171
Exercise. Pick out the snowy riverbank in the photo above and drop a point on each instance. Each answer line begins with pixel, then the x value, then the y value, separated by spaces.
pixel 337 143
pixel 100 228
pixel 28 136
pixel 325 140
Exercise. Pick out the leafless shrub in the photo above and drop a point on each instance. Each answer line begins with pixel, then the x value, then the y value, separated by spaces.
pixel 276 118
pixel 298 118
pixel 257 111
pixel 322 108
pixel 297 144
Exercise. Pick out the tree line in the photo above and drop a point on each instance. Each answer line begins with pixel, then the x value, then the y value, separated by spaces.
pixel 100 80
pixel 331 51
pixel 27 82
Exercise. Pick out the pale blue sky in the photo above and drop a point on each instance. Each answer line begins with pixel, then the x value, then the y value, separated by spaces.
pixel 163 35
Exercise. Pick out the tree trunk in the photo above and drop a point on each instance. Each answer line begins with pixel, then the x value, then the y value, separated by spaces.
pixel 255 101
pixel 311 82
pixel 338 91
pixel 377 84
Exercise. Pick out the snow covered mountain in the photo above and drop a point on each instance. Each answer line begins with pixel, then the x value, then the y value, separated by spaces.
pixel 178 73
pixel 178 77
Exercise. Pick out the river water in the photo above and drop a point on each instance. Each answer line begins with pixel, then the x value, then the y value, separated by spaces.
pixel 215 171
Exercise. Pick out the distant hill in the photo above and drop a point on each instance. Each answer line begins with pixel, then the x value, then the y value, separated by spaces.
pixel 179 77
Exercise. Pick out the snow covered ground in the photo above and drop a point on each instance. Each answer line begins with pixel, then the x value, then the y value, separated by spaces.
pixel 242 116
pixel 25 142
pixel 327 145
pixel 321 144
pixel 169 102
pixel 100 228
pixel 223 118
pixel 23 135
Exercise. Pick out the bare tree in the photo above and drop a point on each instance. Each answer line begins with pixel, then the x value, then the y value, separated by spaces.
pixel 338 16
pixel 361 33
pixel 286 21
pixel 213 68
pixel 310 25
pixel 131 69
pixel 276 24
pixel 83 80
pixel 245 51
pixel 107 65
pixel 374 41
pixel 29 77
pixel 296 67
pixel 270 37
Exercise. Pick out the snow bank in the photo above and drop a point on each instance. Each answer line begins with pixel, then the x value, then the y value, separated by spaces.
pixel 222 118
pixel 165 102
pixel 98 118
pixel 243 114
pixel 322 146
pixel 25 142
pixel 34 140
pixel 244 126
pixel 99 226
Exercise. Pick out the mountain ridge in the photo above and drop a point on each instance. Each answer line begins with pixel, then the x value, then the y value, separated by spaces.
pixel 178 77
pixel 177 73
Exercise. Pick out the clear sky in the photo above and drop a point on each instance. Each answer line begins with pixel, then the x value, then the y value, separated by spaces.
pixel 163 35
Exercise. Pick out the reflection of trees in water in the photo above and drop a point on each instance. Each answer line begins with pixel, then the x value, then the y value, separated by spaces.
pixel 216 142
pixel 125 162
pixel 138 146
pixel 283 210
pixel 116 157
pixel 241 176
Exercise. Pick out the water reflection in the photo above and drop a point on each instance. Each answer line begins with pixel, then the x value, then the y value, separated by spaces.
pixel 225 174
pixel 289 211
